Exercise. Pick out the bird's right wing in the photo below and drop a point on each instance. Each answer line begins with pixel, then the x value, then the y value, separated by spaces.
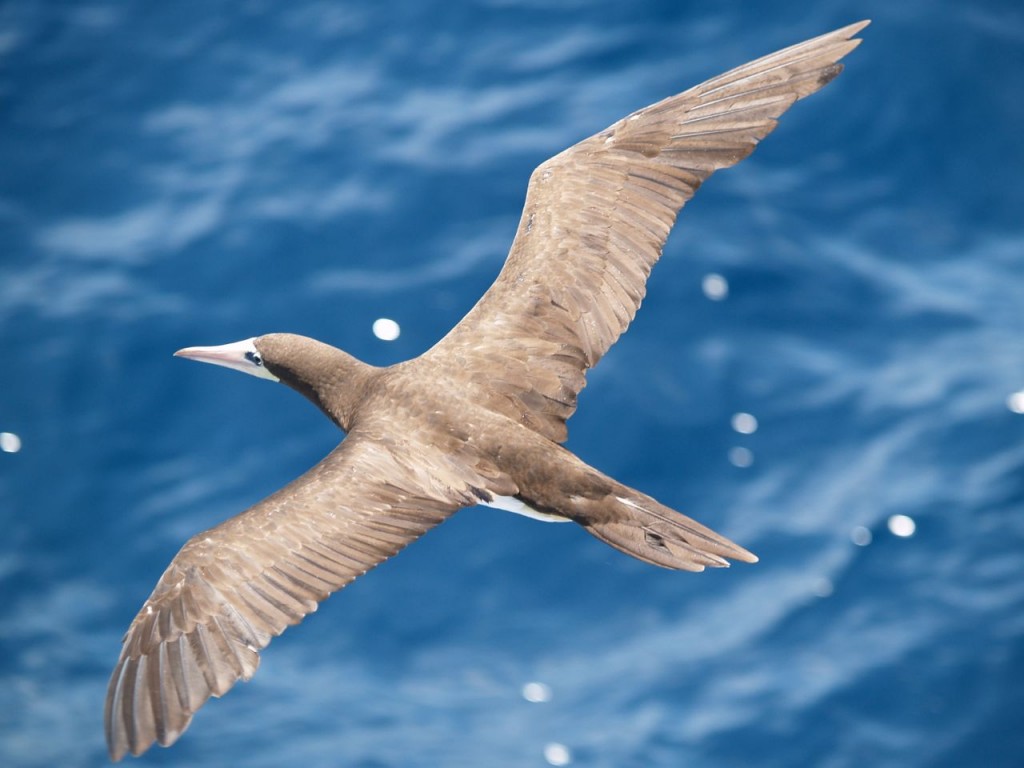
pixel 233 588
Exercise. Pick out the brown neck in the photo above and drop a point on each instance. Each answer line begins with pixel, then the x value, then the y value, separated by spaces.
pixel 333 380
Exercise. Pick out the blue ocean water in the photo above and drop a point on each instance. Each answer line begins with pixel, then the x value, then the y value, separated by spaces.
pixel 187 173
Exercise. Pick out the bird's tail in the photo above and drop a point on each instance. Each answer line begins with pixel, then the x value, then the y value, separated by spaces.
pixel 639 526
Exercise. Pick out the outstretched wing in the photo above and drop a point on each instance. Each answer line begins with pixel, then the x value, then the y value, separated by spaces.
pixel 595 220
pixel 231 589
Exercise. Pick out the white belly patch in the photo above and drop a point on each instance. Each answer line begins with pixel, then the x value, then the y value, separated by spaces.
pixel 512 504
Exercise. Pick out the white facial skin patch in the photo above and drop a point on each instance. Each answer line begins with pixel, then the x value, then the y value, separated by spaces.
pixel 238 355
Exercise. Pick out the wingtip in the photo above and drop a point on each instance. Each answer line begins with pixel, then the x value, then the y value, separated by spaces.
pixel 849 32
pixel 740 555
pixel 749 557
pixel 850 29
pixel 843 37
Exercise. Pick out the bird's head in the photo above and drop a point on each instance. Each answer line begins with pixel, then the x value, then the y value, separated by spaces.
pixel 245 356
pixel 320 372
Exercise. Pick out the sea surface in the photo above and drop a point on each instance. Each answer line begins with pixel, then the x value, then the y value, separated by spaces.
pixel 828 368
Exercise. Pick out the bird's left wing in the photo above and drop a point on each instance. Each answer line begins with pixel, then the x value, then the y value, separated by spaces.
pixel 233 588
pixel 595 220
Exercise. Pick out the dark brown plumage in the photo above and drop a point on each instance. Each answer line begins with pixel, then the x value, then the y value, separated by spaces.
pixel 476 419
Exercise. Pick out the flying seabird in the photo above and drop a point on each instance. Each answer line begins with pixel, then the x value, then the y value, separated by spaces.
pixel 477 419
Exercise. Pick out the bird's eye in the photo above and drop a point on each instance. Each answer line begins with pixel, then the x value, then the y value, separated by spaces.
pixel 254 358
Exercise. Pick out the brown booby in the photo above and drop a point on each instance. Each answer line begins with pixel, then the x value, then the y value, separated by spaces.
pixel 477 419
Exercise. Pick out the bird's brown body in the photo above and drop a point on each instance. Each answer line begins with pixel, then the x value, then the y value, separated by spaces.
pixel 479 418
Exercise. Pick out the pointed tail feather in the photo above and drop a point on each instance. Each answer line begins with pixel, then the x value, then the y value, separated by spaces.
pixel 649 531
